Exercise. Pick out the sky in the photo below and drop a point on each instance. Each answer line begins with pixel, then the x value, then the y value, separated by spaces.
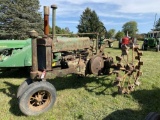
pixel 113 13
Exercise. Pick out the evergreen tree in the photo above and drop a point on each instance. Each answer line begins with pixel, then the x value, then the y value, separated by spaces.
pixel 17 17
pixel 157 25
pixel 89 22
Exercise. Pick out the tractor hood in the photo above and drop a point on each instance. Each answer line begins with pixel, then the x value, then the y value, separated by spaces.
pixel 7 44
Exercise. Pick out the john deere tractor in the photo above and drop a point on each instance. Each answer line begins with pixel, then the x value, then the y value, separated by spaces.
pixel 152 41
pixel 15 54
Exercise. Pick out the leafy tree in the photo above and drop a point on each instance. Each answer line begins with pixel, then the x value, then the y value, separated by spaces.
pixel 111 33
pixel 119 35
pixel 89 22
pixel 61 30
pixel 17 17
pixel 140 36
pixel 131 28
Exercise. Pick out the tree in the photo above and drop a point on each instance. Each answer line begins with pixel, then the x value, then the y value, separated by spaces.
pixel 89 22
pixel 140 36
pixel 131 28
pixel 17 17
pixel 157 25
pixel 119 35
pixel 111 33
pixel 61 30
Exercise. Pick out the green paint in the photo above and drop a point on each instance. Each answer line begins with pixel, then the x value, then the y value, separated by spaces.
pixel 20 53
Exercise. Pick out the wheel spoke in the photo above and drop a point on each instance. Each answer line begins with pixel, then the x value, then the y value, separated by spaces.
pixel 38 98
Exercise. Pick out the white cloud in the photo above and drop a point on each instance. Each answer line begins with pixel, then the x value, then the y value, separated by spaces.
pixel 109 11
pixel 74 8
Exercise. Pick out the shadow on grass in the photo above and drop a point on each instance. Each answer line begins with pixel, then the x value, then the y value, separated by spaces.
pixel 74 82
pixel 68 82
pixel 149 100
pixel 11 92
pixel 15 73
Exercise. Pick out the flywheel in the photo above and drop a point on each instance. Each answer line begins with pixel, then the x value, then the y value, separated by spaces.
pixel 96 65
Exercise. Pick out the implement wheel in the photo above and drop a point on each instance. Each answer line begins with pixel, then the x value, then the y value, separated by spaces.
pixel 38 98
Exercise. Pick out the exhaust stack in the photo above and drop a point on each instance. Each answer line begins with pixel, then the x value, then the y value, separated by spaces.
pixel 46 20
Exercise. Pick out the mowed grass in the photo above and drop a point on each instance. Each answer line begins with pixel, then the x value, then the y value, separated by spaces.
pixel 90 98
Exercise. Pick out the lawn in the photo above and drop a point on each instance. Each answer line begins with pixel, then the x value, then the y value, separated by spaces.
pixel 90 98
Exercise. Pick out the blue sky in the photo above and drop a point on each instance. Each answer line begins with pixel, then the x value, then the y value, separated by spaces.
pixel 113 13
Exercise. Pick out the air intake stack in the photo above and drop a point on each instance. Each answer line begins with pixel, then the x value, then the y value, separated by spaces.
pixel 54 7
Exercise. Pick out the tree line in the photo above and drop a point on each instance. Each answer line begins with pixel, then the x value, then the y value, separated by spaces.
pixel 17 17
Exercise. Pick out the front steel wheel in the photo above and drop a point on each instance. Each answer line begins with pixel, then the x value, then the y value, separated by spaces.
pixel 128 69
pixel 23 87
pixel 39 98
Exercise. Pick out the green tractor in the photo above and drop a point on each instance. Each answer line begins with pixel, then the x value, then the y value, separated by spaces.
pixel 15 54
pixel 152 40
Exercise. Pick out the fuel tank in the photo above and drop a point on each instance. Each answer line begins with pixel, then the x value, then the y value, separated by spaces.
pixel 69 44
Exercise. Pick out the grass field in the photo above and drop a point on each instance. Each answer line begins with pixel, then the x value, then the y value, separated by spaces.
pixel 90 98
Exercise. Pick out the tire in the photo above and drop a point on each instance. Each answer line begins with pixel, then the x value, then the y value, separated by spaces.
pixel 23 87
pixel 119 45
pixel 157 48
pixel 152 116
pixel 145 47
pixel 142 47
pixel 38 98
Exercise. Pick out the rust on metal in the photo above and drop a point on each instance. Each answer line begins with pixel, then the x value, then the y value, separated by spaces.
pixel 60 55
pixel 96 65
pixel 39 100
pixel 67 44
pixel 34 36
pixel 46 20
pixel 129 69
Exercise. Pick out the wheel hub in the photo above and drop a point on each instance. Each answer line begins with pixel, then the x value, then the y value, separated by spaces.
pixel 39 100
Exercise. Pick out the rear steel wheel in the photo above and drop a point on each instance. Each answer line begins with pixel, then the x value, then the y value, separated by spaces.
pixel 127 69
pixel 38 98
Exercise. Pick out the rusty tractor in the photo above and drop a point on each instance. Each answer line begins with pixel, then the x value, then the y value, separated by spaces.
pixel 54 56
